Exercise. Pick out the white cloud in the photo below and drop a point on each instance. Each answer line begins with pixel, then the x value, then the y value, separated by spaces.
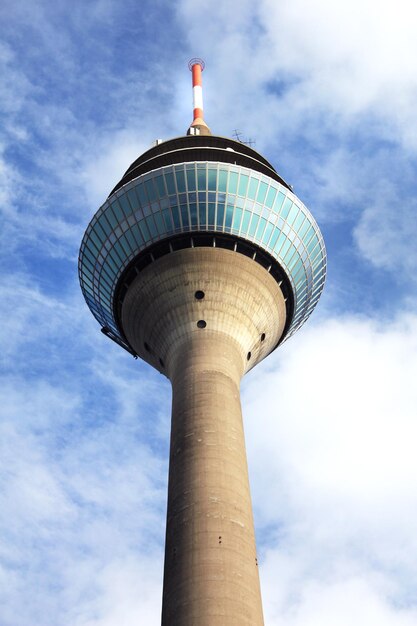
pixel 331 428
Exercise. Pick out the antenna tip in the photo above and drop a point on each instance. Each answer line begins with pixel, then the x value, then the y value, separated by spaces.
pixel 196 61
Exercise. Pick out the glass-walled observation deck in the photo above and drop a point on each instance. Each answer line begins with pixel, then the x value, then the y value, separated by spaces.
pixel 190 197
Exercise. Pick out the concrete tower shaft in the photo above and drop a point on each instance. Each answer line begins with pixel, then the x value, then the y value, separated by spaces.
pixel 201 261
pixel 211 571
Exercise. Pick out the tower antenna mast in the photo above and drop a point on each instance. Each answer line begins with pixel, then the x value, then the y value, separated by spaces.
pixel 198 125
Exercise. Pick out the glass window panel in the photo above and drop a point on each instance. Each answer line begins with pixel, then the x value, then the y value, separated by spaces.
pixel 96 240
pixel 140 191
pixel 111 217
pixel 150 190
pixel 104 223
pixel 114 257
pixel 180 176
pixel 306 224
pixel 127 209
pixel 133 200
pixel 280 241
pixel 211 210
pixel 87 281
pixel 137 234
pixel 261 228
pixel 245 224
pixel 267 233
pixel 125 244
pixel 299 219
pixel 262 192
pixel 253 225
pixel 272 192
pixel 202 214
pixel 232 187
pixel 296 265
pixel 253 187
pixel 223 180
pixel 212 179
pixel 237 219
pixel 86 264
pixel 279 201
pixel 111 263
pixel 202 179
pixel 119 250
pixel 288 256
pixel 243 184
pixel 285 248
pixel 176 217
pixel 309 234
pixel 166 214
pixel 292 214
pixel 286 208
pixel 159 223
pixel 184 217
pixel 193 213
pixel 169 179
pixel 229 215
pixel 274 238
pixel 313 243
pixel 220 214
pixel 89 289
pixel 160 185
pixel 117 210
pixel 191 180
pixel 143 227
pixel 131 240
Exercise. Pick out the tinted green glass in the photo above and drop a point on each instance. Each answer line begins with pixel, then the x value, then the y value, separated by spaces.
pixel 160 185
pixel 137 234
pixel 253 225
pixel 166 214
pixel 191 180
pixel 140 191
pixel 175 217
pixel 253 188
pixel 133 200
pixel 184 216
pixel 229 216
pixel 169 179
pixel 180 176
pixel 211 210
pixel 232 187
pixel 193 213
pixel 272 192
pixel 201 175
pixel 243 184
pixel 261 228
pixel 150 190
pixel 292 214
pixel 202 214
pixel 222 180
pixel 267 233
pixel 212 179
pixel 237 219
pixel 261 193
pixel 286 208
pixel 245 223
pixel 159 223
pixel 127 209
pixel 220 214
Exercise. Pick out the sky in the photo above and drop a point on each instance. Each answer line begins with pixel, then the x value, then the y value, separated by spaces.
pixel 328 91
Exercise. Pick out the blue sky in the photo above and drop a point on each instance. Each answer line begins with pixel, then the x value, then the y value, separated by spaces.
pixel 328 91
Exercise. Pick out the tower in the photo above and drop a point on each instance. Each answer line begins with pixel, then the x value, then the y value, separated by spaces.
pixel 201 262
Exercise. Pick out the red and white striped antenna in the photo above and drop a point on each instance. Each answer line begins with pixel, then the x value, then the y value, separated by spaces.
pixel 198 125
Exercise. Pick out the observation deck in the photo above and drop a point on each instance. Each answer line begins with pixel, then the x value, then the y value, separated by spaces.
pixel 201 191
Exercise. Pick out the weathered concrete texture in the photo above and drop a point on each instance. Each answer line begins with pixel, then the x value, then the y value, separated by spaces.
pixel 211 572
